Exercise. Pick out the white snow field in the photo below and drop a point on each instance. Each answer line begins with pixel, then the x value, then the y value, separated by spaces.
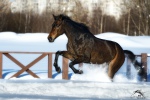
pixel 92 84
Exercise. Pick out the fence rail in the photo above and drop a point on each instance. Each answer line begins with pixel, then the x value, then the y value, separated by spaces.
pixel 49 61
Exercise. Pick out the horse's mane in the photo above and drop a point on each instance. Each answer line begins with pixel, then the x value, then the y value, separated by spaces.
pixel 81 26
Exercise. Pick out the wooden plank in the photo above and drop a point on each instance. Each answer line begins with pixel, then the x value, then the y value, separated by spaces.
pixel 20 65
pixel 29 65
pixel 128 70
pixel 144 64
pixel 50 65
pixel 65 68
pixel 1 64
pixel 26 52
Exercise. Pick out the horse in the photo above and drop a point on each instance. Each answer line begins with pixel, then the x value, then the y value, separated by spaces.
pixel 84 47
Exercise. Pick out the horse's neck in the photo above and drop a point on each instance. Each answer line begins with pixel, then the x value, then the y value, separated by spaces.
pixel 71 39
pixel 69 33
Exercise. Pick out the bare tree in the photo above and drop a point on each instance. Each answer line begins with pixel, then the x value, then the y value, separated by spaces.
pixel 135 18
pixel 4 6
pixel 144 10
pixel 4 10
pixel 138 17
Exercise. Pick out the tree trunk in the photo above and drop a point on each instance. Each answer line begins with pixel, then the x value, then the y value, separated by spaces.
pixel 128 26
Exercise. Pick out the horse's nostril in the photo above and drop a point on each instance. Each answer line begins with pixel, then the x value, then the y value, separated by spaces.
pixel 50 39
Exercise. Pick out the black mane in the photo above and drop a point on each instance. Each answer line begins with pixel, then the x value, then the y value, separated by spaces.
pixel 81 26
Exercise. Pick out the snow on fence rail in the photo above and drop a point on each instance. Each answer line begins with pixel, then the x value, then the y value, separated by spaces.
pixel 64 64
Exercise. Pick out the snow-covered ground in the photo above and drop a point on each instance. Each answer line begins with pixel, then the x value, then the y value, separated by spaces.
pixel 92 84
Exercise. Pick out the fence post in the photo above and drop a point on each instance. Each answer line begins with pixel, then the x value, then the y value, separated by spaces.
pixel 50 65
pixel 1 61
pixel 144 64
pixel 128 70
pixel 65 68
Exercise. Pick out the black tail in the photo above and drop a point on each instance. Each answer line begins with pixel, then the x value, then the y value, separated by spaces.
pixel 136 64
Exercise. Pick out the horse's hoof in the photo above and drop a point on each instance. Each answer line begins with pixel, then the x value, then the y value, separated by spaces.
pixel 58 70
pixel 80 72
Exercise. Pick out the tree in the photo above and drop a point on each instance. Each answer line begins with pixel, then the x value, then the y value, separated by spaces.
pixel 4 10
pixel 136 17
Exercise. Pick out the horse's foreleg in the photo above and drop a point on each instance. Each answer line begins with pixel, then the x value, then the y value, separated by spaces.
pixel 76 61
pixel 56 60
pixel 68 55
pixel 65 54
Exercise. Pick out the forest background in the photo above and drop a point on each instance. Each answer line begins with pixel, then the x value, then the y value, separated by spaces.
pixel 129 17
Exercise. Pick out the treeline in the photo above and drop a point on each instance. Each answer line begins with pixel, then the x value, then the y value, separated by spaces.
pixel 135 21
pixel 24 23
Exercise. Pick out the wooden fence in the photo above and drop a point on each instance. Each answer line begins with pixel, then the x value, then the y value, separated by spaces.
pixel 49 61
pixel 26 68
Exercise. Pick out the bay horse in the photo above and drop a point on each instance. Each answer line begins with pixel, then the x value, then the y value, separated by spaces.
pixel 84 47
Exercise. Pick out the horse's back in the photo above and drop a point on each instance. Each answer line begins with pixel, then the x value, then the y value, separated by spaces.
pixel 104 51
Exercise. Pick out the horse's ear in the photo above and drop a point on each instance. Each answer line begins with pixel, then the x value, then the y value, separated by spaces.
pixel 54 17
pixel 61 17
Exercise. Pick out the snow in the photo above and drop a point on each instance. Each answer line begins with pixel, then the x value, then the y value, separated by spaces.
pixel 92 84
pixel 66 90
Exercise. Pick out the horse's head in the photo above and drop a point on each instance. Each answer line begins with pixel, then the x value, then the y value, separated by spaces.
pixel 57 28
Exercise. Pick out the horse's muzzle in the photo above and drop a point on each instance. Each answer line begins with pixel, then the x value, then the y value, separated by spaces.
pixel 50 39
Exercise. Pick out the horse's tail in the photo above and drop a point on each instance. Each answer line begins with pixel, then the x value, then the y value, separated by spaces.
pixel 136 64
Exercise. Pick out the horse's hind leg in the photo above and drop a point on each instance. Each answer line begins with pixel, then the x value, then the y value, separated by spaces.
pixel 116 63
pixel 71 65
